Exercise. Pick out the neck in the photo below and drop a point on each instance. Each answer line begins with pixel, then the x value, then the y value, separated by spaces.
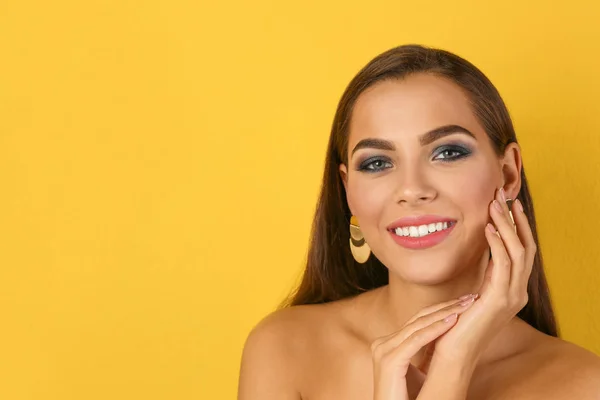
pixel 401 300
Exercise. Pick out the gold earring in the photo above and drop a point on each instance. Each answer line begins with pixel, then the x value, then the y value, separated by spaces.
pixel 509 203
pixel 358 246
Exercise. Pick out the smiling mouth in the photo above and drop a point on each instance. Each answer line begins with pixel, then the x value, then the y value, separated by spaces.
pixel 417 231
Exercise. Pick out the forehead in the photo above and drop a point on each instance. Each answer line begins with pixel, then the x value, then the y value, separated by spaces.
pixel 410 107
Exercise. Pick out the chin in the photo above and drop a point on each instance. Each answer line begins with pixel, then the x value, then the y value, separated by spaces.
pixel 426 270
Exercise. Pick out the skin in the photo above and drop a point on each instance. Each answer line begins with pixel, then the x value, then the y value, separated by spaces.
pixel 379 344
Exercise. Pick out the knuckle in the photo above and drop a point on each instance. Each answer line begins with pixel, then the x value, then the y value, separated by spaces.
pixel 416 337
pixel 502 303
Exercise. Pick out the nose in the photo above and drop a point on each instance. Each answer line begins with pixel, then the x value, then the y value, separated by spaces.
pixel 413 186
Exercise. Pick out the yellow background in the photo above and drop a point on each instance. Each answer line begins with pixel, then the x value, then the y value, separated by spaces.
pixel 160 162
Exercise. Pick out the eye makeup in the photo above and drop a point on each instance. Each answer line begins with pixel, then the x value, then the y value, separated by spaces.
pixel 459 149
pixel 374 164
pixel 445 153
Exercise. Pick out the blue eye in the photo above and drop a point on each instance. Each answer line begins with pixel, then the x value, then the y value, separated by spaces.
pixel 450 153
pixel 374 165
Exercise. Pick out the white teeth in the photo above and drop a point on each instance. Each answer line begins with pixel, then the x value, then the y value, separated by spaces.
pixel 421 230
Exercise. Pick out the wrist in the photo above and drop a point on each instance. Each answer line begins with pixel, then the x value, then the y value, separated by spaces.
pixel 455 370
pixel 447 379
pixel 463 358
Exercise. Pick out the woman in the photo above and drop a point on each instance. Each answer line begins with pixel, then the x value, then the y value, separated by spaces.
pixel 423 277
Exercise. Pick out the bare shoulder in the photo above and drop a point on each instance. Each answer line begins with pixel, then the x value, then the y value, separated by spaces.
pixel 576 372
pixel 278 348
pixel 563 370
pixel 288 328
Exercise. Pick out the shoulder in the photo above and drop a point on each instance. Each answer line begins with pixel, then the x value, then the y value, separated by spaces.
pixel 287 328
pixel 564 370
pixel 540 367
pixel 577 370
pixel 302 328
pixel 292 325
pixel 277 350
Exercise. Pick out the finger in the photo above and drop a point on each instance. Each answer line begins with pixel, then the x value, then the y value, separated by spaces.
pixel 512 243
pixel 526 235
pixel 419 339
pixel 391 341
pixel 524 231
pixel 500 278
pixel 437 307
pixel 501 197
pixel 504 223
pixel 487 278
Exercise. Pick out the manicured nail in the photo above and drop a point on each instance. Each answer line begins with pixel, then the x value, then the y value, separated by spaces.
pixel 498 206
pixel 451 317
pixel 491 228
pixel 502 195
pixel 520 205
pixel 468 301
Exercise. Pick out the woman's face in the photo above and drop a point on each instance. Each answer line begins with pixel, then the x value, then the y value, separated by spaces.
pixel 416 149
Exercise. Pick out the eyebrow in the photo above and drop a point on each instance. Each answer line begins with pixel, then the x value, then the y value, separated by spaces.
pixel 424 139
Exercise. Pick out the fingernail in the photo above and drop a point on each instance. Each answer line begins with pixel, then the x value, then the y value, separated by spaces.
pixel 466 296
pixel 451 317
pixel 520 205
pixel 498 206
pixel 502 195
pixel 468 301
pixel 491 228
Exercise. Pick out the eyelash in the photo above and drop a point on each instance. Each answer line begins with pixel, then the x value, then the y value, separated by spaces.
pixel 462 152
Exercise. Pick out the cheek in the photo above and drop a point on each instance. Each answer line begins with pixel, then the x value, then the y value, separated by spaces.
pixel 476 190
pixel 367 199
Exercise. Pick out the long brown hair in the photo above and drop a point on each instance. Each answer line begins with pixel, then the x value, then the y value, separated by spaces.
pixel 331 272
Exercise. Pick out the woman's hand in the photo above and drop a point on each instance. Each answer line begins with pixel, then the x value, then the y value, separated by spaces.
pixel 395 378
pixel 503 293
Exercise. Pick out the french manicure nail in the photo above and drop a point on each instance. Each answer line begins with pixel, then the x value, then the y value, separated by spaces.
pixel 502 195
pixel 450 317
pixel 498 206
pixel 467 302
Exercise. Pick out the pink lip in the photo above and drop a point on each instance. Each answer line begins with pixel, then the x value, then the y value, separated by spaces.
pixel 421 242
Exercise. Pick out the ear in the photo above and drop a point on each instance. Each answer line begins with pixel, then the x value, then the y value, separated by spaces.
pixel 344 176
pixel 511 170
